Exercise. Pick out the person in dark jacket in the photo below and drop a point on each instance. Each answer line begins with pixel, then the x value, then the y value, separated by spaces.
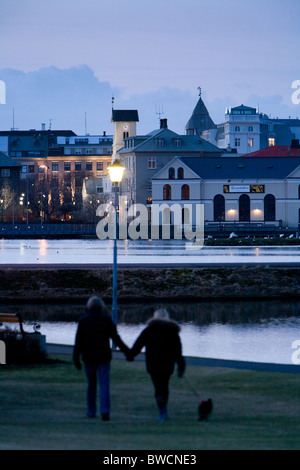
pixel 163 349
pixel 92 344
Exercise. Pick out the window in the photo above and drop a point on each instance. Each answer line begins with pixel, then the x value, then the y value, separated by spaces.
pixel 180 173
pixel 30 168
pixel 16 154
pixel 237 129
pixel 250 128
pixel 237 142
pixel 89 166
pixel 67 166
pixel 219 208
pixel 271 141
pixel 185 192
pixel 171 173
pixel 177 142
pixel 160 142
pixel 24 168
pixel 99 166
pixel 269 208
pixel 99 189
pixel 41 169
pixel 5 172
pixel 77 166
pixel 54 166
pixel 244 208
pixel 251 142
pixel 151 163
pixel 67 183
pixel 125 135
pixel 167 192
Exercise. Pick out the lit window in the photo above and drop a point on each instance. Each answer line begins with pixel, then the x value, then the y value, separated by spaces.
pixel 251 142
pixel 151 163
pixel 271 141
pixel 24 168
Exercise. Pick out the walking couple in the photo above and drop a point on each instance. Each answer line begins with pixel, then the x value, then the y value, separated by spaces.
pixel 92 345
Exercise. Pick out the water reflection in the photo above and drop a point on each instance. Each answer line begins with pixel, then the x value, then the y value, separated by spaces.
pixel 260 331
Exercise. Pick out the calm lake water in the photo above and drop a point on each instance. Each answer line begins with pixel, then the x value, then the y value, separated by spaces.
pixel 99 252
pixel 259 331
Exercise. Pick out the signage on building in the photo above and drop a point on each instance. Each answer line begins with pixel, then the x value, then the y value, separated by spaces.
pixel 244 188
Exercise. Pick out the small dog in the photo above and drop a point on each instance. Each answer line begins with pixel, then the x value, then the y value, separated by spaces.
pixel 204 409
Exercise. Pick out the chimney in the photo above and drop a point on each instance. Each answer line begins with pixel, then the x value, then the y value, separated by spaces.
pixel 43 126
pixel 164 124
pixel 104 133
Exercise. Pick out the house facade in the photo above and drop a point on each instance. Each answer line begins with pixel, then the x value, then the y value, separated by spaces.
pixel 144 155
pixel 239 191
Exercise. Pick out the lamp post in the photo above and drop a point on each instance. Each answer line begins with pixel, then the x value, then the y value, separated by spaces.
pixel 116 171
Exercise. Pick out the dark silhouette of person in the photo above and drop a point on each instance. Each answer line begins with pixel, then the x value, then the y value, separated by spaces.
pixel 163 349
pixel 92 344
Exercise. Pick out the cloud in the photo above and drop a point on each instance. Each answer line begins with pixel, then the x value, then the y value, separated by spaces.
pixel 72 97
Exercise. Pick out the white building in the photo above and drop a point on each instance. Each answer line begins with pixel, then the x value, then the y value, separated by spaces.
pixel 245 191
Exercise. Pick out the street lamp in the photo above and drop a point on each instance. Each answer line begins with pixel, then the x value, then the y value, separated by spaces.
pixel 116 171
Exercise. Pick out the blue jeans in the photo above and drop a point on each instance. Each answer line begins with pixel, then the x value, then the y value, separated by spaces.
pixel 101 372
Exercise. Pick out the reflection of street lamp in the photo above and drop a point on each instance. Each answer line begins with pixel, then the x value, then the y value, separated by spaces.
pixel 45 167
pixel 116 171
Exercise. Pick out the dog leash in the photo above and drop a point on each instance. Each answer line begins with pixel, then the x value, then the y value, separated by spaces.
pixel 192 388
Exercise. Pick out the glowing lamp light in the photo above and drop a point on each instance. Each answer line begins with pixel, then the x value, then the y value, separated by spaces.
pixel 116 171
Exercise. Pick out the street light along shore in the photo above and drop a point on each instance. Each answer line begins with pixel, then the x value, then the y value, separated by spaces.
pixel 116 171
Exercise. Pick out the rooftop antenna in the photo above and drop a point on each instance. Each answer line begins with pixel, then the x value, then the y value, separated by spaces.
pixel 50 123
pixel 112 102
pixel 85 123
pixel 13 123
pixel 199 91
pixel 159 111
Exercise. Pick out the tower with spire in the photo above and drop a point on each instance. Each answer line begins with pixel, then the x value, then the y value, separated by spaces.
pixel 200 119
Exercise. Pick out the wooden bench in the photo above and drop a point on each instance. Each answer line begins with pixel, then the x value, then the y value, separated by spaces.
pixel 12 318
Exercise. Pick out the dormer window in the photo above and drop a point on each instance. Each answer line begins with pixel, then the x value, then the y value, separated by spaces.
pixel 160 142
pixel 177 142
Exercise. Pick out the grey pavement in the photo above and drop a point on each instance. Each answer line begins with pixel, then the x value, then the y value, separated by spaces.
pixel 205 362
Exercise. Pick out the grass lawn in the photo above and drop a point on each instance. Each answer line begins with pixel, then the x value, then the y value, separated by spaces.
pixel 43 407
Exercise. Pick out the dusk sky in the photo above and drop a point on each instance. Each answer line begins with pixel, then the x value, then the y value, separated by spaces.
pixel 64 60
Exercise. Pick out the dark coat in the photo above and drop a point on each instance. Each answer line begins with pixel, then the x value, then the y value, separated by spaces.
pixel 163 347
pixel 93 336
